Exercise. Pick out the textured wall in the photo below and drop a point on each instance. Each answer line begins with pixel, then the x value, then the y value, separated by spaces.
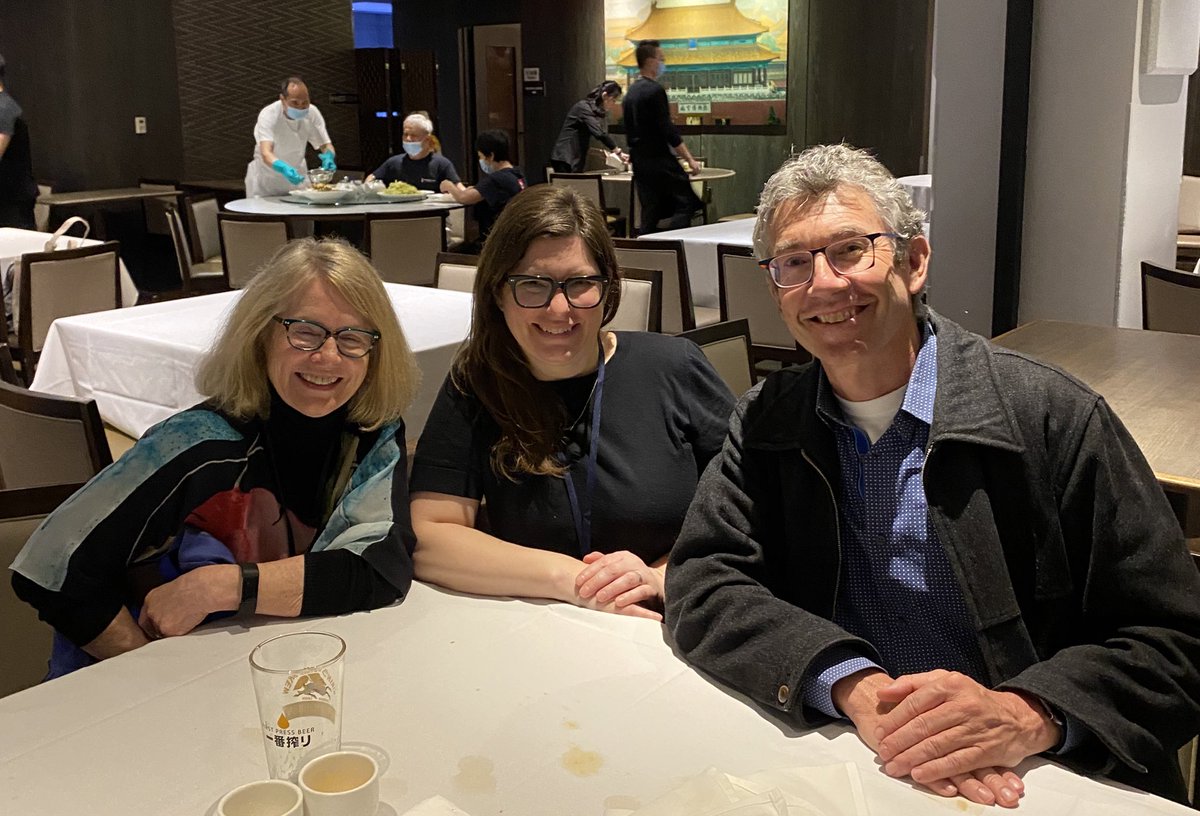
pixel 231 58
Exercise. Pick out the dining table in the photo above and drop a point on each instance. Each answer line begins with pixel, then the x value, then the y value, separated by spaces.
pixel 293 208
pixel 138 364
pixel 497 705
pixel 700 252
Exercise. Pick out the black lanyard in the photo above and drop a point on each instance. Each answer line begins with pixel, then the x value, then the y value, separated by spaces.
pixel 581 512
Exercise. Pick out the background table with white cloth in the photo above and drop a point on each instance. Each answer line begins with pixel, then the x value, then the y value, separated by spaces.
pixel 139 364
pixel 501 706
pixel 700 249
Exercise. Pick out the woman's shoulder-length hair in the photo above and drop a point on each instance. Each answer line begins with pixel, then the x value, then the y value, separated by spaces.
pixel 233 374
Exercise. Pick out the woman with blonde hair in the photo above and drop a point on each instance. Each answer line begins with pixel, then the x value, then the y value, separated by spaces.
pixel 283 494
pixel 585 444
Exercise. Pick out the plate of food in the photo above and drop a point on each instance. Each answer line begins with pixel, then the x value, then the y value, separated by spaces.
pixel 320 194
pixel 400 191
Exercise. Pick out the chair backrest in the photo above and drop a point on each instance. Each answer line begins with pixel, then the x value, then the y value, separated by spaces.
pixel 183 252
pixel 155 209
pixel 456 227
pixel 41 212
pixel 641 301
pixel 587 185
pixel 63 283
pixel 248 242
pixel 667 257
pixel 455 272
pixel 1189 203
pixel 49 440
pixel 404 246
pixel 745 291
pixel 204 234
pixel 727 347
pixel 1170 300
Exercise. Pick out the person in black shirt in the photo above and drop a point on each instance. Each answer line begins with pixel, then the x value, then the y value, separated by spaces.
pixel 18 190
pixel 585 445
pixel 586 120
pixel 662 186
pixel 420 165
pixel 499 183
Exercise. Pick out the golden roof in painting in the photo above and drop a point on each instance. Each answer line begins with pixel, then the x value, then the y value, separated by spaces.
pixel 687 22
pixel 707 56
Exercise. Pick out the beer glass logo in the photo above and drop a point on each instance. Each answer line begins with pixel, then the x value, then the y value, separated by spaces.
pixel 313 692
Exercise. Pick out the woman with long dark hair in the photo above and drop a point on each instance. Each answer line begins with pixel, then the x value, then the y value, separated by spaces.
pixel 587 120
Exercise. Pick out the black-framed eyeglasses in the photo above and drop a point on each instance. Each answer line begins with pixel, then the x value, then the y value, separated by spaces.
pixel 848 256
pixel 536 291
pixel 309 335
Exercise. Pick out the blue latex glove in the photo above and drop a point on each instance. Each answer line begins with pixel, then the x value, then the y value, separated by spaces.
pixel 287 171
pixel 327 162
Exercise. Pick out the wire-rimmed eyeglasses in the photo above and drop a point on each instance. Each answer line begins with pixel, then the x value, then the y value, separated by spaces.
pixel 536 291
pixel 309 335
pixel 848 256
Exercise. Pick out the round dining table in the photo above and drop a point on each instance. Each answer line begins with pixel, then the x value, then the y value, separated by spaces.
pixel 291 208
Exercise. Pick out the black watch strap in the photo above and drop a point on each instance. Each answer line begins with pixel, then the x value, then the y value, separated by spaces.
pixel 249 589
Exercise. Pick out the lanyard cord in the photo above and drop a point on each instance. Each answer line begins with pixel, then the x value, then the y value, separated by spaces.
pixel 581 511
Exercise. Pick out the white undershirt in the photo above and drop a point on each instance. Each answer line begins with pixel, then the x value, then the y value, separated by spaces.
pixel 874 416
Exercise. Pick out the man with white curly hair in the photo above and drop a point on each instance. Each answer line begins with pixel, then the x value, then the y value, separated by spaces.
pixel 955 547
pixel 420 165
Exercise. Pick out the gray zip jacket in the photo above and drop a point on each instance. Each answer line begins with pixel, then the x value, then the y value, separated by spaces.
pixel 1076 577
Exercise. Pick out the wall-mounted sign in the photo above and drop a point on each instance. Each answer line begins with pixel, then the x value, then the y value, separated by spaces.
pixel 695 107
pixel 531 74
pixel 535 88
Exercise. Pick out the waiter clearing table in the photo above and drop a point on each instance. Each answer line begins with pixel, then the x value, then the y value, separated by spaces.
pixel 280 134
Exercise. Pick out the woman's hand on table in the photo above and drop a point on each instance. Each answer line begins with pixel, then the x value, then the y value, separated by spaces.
pixel 179 606
pixel 620 582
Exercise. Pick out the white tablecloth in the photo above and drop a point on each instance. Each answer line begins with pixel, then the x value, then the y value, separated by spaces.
pixel 16 242
pixel 920 187
pixel 138 364
pixel 501 706
pixel 700 249
pixel 284 205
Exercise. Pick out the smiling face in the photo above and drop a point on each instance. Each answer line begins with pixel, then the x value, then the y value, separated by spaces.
pixel 860 326
pixel 315 383
pixel 559 340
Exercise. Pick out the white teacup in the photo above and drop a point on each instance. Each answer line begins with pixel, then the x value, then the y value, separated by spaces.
pixel 344 783
pixel 266 797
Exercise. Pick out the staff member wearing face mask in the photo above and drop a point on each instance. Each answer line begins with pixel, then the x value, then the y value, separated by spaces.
pixel 662 187
pixel 282 130
pixel 420 164
pixel 498 184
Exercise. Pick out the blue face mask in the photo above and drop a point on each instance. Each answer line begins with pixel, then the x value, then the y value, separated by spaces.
pixel 412 148
pixel 483 165
pixel 662 69
pixel 295 113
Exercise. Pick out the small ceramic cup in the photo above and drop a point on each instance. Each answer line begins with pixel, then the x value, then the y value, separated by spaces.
pixel 344 783
pixel 266 797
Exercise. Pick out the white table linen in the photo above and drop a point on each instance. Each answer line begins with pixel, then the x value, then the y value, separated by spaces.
pixel 700 249
pixel 920 187
pixel 500 706
pixel 282 205
pixel 139 364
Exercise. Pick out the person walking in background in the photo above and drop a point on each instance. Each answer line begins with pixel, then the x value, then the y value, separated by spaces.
pixel 586 120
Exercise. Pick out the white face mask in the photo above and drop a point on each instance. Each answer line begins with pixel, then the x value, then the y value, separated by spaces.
pixel 295 113
pixel 483 165
pixel 412 148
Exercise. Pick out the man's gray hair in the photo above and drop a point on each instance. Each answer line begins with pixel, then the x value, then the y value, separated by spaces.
pixel 820 170
pixel 420 120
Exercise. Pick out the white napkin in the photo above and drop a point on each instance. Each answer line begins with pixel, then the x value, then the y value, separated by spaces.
pixel 436 806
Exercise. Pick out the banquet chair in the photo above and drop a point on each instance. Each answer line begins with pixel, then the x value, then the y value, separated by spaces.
pixel 49 440
pixel 727 347
pixel 745 291
pixel 204 236
pixel 678 313
pixel 403 246
pixel 456 227
pixel 641 301
pixel 590 186
pixel 248 242
pixel 41 212
pixel 8 372
pixel 702 191
pixel 196 277
pixel 1187 247
pixel 455 272
pixel 155 209
pixel 1170 300
pixel 58 284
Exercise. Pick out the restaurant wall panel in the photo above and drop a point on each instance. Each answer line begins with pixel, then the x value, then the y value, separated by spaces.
pixel 232 56
pixel 82 70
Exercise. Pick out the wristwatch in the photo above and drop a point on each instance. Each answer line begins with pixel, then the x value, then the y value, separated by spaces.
pixel 249 589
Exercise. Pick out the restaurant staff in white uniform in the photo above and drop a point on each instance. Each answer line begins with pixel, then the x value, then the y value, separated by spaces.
pixel 282 130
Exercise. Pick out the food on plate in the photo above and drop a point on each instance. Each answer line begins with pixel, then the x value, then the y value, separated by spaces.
pixel 401 188
pixel 321 186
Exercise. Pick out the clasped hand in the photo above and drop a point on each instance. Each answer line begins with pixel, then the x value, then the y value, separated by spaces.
pixel 619 582
pixel 179 606
pixel 953 735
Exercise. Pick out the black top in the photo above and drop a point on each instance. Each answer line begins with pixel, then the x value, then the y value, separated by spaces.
pixel 424 174
pixel 664 416
pixel 496 188
pixel 16 164
pixel 584 121
pixel 648 127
